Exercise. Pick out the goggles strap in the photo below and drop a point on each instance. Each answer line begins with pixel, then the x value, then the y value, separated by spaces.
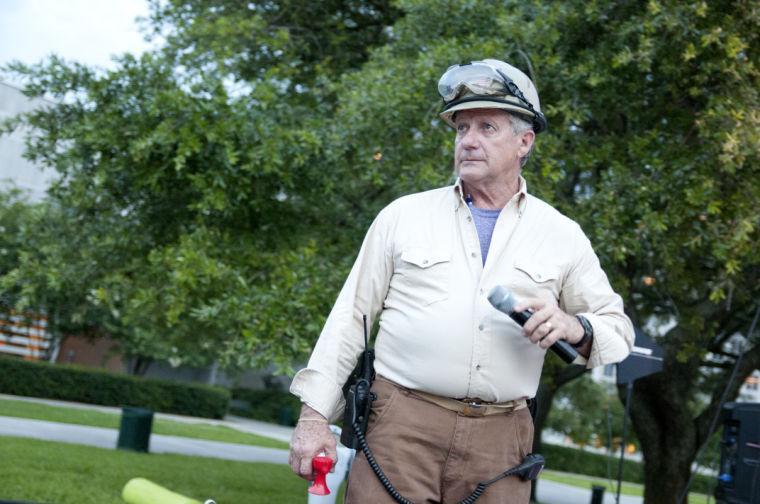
pixel 514 90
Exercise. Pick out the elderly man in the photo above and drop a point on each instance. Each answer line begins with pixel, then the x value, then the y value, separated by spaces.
pixel 453 373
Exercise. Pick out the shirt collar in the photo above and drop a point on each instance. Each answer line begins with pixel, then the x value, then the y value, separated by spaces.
pixel 520 198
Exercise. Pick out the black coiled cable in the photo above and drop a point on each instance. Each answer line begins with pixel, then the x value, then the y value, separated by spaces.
pixel 470 499
pixel 376 467
pixel 475 495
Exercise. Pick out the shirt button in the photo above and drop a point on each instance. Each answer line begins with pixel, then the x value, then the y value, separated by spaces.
pixel 474 254
pixel 425 261
pixel 477 367
pixel 469 219
pixel 538 275
pixel 481 327
pixel 481 291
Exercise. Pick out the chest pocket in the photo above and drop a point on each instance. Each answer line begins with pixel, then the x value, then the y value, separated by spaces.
pixel 536 279
pixel 424 274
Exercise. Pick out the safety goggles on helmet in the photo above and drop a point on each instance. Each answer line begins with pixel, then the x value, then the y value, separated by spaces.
pixel 481 81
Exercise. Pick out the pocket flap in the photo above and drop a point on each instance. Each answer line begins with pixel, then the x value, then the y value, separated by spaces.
pixel 424 258
pixel 538 272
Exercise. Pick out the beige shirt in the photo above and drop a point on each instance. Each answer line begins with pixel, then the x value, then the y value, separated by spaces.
pixel 420 270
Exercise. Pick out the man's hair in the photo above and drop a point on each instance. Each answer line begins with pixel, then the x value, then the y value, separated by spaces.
pixel 520 125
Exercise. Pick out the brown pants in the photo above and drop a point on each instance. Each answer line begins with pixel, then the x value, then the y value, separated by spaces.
pixel 434 455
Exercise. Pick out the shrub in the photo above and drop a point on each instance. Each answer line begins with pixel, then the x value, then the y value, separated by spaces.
pixel 573 460
pixel 266 405
pixel 97 386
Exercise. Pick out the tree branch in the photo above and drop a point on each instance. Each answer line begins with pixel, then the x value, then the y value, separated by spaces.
pixel 724 354
pixel 717 365
pixel 729 386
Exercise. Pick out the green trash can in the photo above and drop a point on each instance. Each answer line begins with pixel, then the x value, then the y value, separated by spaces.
pixel 597 494
pixel 286 416
pixel 134 432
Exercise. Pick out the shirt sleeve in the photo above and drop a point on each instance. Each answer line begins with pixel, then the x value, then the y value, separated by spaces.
pixel 588 292
pixel 320 384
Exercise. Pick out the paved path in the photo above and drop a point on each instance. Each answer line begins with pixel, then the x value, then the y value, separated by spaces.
pixel 106 438
pixel 242 424
pixel 548 492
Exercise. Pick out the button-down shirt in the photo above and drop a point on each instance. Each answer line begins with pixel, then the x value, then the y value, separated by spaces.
pixel 420 270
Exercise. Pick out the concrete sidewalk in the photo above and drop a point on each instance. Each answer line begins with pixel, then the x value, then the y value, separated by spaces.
pixel 106 438
pixel 548 492
pixel 273 431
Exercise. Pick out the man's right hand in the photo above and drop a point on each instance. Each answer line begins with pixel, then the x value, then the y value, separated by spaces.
pixel 311 437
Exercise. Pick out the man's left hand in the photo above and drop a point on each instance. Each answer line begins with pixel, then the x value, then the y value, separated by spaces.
pixel 549 324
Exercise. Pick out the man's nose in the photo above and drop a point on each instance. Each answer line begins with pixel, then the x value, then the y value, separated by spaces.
pixel 469 140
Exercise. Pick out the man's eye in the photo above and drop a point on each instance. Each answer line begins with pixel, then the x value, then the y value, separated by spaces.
pixel 461 128
pixel 488 126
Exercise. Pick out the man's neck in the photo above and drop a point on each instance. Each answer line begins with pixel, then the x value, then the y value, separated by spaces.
pixel 492 196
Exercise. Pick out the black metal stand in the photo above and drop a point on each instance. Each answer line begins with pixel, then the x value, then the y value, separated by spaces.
pixel 628 392
pixel 646 358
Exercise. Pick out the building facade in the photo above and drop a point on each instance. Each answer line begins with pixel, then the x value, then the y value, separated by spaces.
pixel 15 170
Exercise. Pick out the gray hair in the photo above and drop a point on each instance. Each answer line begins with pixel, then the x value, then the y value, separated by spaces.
pixel 520 125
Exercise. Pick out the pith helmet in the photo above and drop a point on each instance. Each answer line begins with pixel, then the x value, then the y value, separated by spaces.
pixel 490 83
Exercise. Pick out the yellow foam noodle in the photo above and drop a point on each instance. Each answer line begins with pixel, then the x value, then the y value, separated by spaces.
pixel 142 491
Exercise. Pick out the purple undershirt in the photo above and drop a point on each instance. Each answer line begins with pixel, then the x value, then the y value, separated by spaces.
pixel 485 220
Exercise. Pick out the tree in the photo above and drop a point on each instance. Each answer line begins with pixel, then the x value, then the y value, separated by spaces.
pixel 190 220
pixel 15 216
pixel 653 128
pixel 673 177
pixel 589 413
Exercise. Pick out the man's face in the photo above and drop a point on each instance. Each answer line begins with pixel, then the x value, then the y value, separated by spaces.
pixel 486 149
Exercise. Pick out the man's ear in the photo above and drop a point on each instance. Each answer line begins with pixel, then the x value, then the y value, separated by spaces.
pixel 527 138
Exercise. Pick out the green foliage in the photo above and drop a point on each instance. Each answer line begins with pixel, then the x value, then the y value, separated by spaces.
pixel 298 43
pixel 589 413
pixel 164 161
pixel 271 405
pixel 14 215
pixel 634 149
pixel 95 386
pixel 572 460
pixel 651 147
pixel 190 221
pixel 564 458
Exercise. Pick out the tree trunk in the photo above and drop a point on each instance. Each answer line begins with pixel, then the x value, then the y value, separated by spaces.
pixel 139 365
pixel 547 389
pixel 666 429
pixel 544 398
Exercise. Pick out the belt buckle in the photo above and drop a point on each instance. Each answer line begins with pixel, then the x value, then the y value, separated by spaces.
pixel 473 408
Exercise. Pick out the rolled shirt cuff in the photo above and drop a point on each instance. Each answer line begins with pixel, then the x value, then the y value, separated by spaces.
pixel 319 392
pixel 607 346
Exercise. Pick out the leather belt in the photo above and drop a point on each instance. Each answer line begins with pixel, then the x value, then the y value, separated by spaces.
pixel 471 407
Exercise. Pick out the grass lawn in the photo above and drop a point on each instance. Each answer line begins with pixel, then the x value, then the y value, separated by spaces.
pixel 38 411
pixel 179 473
pixel 59 473
pixel 581 481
